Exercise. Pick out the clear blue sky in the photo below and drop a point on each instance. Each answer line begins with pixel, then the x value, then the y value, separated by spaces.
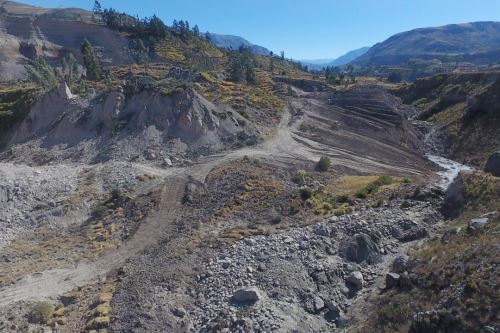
pixel 304 29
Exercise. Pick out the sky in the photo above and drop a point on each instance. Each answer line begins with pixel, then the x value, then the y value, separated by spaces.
pixel 313 29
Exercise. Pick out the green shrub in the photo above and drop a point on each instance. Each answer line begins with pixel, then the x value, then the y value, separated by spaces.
pixel 397 310
pixel 306 193
pixel 100 211
pixel 339 211
pixel 374 186
pixel 275 219
pixel 299 177
pixel 40 313
pixel 116 194
pixel 327 206
pixel 323 164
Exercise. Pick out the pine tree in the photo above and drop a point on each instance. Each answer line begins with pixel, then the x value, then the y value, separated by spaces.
pixel 196 30
pixel 140 53
pixel 90 60
pixel 271 64
pixel 97 12
pixel 42 74
pixel 70 69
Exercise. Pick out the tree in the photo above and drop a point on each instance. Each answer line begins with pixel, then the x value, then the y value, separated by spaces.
pixel 97 8
pixel 395 77
pixel 196 30
pixel 271 64
pixel 208 37
pixel 90 60
pixel 97 12
pixel 282 55
pixel 42 74
pixel 69 69
pixel 140 53
pixel 156 27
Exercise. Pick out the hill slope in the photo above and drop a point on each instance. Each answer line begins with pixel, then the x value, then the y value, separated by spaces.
pixel 475 42
pixel 234 42
pixel 340 61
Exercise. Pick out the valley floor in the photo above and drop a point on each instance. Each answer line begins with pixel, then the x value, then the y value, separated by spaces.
pixel 168 251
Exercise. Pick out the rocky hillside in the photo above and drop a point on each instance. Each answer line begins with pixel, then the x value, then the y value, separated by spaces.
pixel 464 109
pixel 475 42
pixel 152 182
pixel 451 283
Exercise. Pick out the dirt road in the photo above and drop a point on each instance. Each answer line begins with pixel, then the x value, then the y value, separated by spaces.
pixel 287 146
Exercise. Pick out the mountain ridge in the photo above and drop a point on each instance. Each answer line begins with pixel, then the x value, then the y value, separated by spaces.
pixel 340 61
pixel 454 41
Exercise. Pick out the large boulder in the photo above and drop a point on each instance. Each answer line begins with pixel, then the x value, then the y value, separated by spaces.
pixel 493 164
pixel 392 280
pixel 453 198
pixel 480 222
pixel 247 295
pixel 400 264
pixel 361 249
pixel 355 279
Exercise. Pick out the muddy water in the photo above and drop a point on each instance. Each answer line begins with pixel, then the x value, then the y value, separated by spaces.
pixel 451 169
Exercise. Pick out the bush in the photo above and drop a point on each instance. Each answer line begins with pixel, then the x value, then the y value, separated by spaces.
pixel 299 177
pixel 396 310
pixel 395 77
pixel 323 164
pixel 306 193
pixel 275 219
pixel 374 186
pixel 327 206
pixel 100 211
pixel 41 313
pixel 116 194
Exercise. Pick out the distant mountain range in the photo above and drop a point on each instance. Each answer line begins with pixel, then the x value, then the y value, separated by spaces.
pixel 477 42
pixel 234 43
pixel 340 61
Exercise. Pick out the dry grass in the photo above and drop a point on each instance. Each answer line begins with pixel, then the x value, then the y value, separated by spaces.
pixel 462 273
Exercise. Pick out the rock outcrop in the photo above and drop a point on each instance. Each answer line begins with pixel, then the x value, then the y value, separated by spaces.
pixel 493 164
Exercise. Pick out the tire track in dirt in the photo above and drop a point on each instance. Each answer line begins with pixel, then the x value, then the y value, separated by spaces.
pixel 285 147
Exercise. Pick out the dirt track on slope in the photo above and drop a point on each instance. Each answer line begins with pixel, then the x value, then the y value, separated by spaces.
pixel 286 147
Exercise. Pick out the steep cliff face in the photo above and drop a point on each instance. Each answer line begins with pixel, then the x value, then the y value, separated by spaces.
pixel 111 125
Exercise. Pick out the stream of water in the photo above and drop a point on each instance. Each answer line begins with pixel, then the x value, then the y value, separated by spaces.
pixel 451 170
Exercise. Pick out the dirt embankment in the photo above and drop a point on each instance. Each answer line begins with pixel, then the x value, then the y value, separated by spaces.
pixel 145 126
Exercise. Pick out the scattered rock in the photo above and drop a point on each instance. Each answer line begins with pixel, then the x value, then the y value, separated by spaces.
pixel 322 230
pixel 399 265
pixel 319 304
pixel 69 298
pixel 247 295
pixel 479 222
pixel 392 280
pixel 360 250
pixel 356 280
pixel 493 164
pixel 179 312
pixel 167 161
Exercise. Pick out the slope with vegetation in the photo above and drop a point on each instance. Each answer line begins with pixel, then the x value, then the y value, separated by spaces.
pixel 464 106
pixel 452 282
